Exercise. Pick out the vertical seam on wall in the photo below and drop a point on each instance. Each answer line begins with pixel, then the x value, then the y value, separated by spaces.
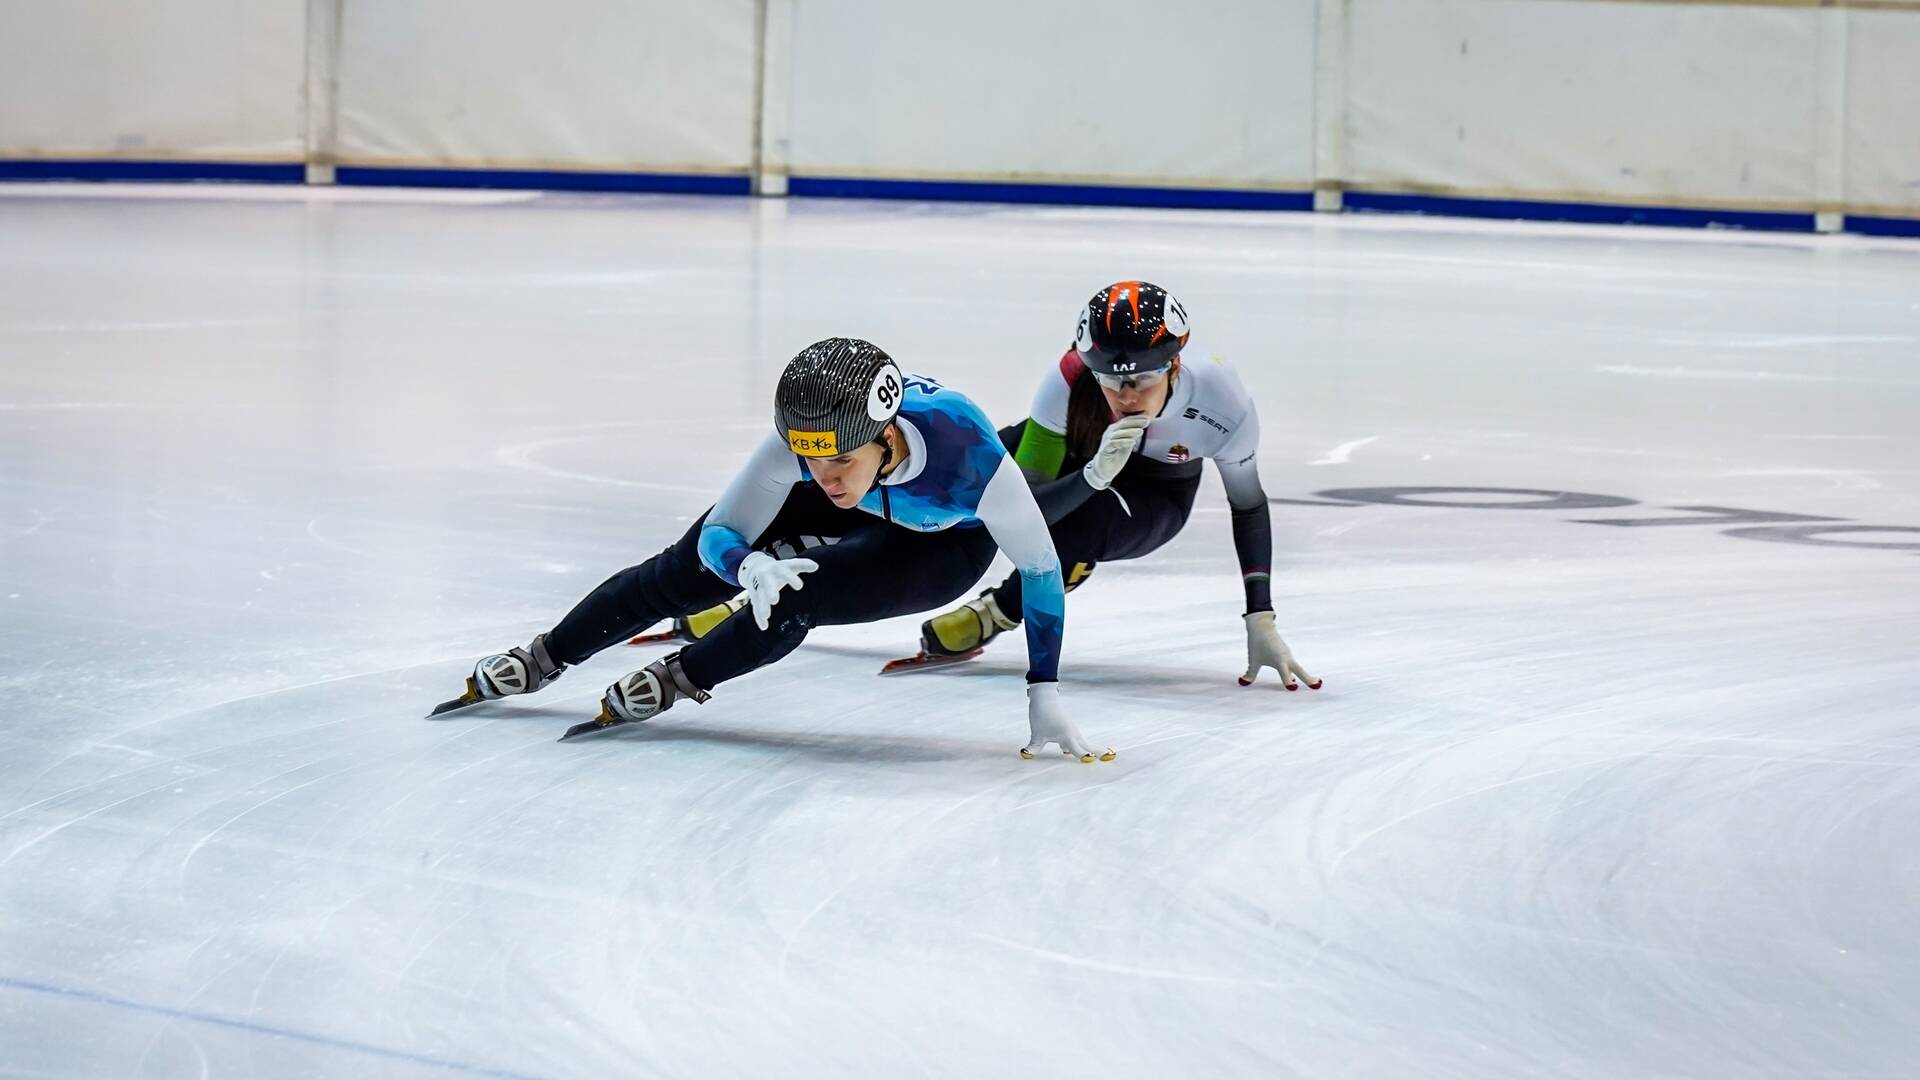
pixel 1831 68
pixel 756 159
pixel 320 150
pixel 306 84
pixel 1329 131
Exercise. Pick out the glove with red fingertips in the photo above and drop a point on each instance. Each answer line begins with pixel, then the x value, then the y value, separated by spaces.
pixel 1265 649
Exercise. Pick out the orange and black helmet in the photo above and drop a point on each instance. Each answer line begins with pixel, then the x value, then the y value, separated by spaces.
pixel 1131 327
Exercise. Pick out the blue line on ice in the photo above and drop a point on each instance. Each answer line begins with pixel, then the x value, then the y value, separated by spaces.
pixel 260 1029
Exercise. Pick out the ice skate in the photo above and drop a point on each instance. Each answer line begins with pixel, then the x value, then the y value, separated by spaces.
pixel 516 671
pixel 641 695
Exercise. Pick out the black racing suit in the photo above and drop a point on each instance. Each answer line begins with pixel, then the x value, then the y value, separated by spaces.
pixel 1143 508
pixel 875 570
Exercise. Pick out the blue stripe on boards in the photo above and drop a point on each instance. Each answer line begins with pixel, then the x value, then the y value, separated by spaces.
pixel 1882 226
pixel 837 187
pixel 542 180
pixel 247 172
pixel 1593 213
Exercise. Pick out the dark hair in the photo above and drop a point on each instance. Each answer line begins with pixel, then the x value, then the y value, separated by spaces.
pixel 1088 414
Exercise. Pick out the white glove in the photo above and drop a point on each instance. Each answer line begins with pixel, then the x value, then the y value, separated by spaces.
pixel 1266 650
pixel 763 576
pixel 1116 446
pixel 1050 725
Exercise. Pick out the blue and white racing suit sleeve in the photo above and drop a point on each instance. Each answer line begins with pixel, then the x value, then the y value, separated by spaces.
pixel 1008 511
pixel 747 507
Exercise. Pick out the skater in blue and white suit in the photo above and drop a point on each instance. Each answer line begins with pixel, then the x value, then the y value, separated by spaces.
pixel 878 494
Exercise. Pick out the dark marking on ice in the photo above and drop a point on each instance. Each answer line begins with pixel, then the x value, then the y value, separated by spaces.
pixel 1772 526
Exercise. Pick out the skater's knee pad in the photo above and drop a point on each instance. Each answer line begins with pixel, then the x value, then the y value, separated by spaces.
pixel 790 621
pixel 738 645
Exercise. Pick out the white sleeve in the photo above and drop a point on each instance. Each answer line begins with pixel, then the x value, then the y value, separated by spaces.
pixel 1049 408
pixel 748 506
pixel 1239 465
pixel 1008 511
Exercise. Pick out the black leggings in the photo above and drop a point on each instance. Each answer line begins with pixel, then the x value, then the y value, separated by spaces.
pixel 875 571
pixel 1137 513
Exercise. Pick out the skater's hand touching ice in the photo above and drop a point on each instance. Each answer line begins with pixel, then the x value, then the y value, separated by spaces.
pixel 1116 447
pixel 763 576
pixel 1266 650
pixel 1050 725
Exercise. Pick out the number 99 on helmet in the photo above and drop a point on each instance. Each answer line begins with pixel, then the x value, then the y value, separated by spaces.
pixel 836 396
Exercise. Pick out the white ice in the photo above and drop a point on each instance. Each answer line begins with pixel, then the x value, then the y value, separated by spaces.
pixel 1577 800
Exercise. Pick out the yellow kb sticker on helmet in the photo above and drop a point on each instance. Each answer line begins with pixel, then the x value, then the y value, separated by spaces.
pixel 813 443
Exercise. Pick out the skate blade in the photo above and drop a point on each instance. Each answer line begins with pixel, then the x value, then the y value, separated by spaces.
pixel 1085 759
pixel 659 637
pixel 471 697
pixel 925 660
pixel 605 720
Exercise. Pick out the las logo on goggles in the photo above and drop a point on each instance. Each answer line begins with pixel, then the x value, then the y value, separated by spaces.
pixel 1139 380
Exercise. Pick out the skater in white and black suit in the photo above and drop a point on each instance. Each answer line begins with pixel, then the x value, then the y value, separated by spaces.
pixel 1113 447
pixel 907 478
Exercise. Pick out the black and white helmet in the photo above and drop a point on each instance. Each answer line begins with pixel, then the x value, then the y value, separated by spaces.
pixel 836 396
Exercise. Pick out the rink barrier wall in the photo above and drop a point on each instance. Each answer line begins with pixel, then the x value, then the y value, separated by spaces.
pixel 1870 225
pixel 1575 101
pixel 1012 92
pixel 1771 115
pixel 1199 198
pixel 544 180
pixel 1368 202
pixel 1789 115
pixel 1593 213
pixel 211 80
pixel 115 169
pixel 606 87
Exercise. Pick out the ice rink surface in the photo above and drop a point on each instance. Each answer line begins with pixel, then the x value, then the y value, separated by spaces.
pixel 1578 800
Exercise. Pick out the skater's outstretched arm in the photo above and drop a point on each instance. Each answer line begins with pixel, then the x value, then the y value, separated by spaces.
pixel 1253 542
pixel 1247 500
pixel 747 507
pixel 1008 511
